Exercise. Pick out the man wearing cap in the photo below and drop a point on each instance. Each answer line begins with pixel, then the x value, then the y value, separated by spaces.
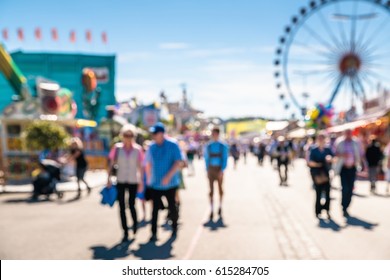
pixel 164 160
pixel 216 156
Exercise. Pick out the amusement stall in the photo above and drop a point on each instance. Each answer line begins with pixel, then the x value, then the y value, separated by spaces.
pixel 51 103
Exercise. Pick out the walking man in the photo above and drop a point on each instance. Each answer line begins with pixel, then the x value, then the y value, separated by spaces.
pixel 374 156
pixel 164 160
pixel 216 156
pixel 349 152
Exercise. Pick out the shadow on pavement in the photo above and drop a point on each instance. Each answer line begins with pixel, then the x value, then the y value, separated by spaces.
pixel 120 250
pixel 382 195
pixel 29 200
pixel 360 195
pixel 331 224
pixel 152 251
pixel 214 226
pixel 354 221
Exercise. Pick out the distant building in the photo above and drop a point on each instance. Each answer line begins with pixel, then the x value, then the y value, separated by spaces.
pixel 182 111
pixel 66 69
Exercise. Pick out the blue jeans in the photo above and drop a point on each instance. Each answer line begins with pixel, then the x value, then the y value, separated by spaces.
pixel 348 177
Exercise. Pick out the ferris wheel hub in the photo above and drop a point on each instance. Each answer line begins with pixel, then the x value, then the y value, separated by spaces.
pixel 349 64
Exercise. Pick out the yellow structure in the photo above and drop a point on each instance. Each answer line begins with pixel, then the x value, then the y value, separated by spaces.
pixel 237 128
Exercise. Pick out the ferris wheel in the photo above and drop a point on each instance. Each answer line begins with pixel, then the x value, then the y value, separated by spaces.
pixel 334 52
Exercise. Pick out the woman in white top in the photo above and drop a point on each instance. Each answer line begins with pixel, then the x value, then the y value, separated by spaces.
pixel 128 157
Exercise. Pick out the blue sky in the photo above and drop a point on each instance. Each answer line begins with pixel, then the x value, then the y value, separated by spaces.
pixel 223 50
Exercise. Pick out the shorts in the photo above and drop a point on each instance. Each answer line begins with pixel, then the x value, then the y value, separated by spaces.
pixel 213 173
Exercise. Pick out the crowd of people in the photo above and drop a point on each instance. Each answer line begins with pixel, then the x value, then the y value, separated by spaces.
pixel 153 172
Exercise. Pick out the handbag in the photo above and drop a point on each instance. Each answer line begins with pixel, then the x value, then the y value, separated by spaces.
pixel 109 195
pixel 321 178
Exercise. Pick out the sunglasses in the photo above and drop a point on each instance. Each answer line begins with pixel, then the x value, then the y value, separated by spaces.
pixel 128 135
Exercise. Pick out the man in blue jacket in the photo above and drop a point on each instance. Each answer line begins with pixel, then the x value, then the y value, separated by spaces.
pixel 216 157
pixel 164 160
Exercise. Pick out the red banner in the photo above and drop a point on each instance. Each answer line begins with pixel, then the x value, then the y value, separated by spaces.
pixel 5 34
pixel 54 34
pixel 88 36
pixel 72 36
pixel 20 34
pixel 38 34
pixel 104 37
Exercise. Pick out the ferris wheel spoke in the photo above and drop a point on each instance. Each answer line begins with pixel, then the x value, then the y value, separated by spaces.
pixel 310 62
pixel 377 47
pixel 370 65
pixel 336 90
pixel 367 79
pixel 359 88
pixel 328 29
pixel 342 32
pixel 375 74
pixel 352 42
pixel 318 37
pixel 375 56
pixel 314 49
pixel 368 43
pixel 311 72
pixel 364 29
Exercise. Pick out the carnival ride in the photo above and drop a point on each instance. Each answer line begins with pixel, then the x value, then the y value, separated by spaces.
pixel 334 52
pixel 13 74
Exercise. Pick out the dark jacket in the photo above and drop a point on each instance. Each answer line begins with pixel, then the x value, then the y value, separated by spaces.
pixel 373 154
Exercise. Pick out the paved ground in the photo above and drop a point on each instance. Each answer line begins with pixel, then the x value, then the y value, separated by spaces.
pixel 261 220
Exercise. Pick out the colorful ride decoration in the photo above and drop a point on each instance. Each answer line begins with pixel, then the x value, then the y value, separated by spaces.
pixel 91 94
pixel 66 105
pixel 89 80
pixel 319 117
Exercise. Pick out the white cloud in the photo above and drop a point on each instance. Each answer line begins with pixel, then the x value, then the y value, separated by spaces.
pixel 173 46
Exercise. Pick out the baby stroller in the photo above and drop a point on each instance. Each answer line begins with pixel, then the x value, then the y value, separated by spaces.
pixel 45 179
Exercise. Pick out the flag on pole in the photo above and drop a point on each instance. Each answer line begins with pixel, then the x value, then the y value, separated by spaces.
pixel 38 34
pixel 104 37
pixel 54 34
pixel 88 36
pixel 72 36
pixel 20 34
pixel 5 34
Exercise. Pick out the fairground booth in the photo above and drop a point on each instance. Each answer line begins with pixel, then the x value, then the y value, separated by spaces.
pixel 71 90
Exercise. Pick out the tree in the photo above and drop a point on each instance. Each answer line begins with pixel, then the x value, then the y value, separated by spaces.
pixel 45 135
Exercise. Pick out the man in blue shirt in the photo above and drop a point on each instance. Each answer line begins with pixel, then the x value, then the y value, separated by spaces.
pixel 163 160
pixel 216 156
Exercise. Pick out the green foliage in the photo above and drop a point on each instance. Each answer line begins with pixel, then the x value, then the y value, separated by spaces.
pixel 45 135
